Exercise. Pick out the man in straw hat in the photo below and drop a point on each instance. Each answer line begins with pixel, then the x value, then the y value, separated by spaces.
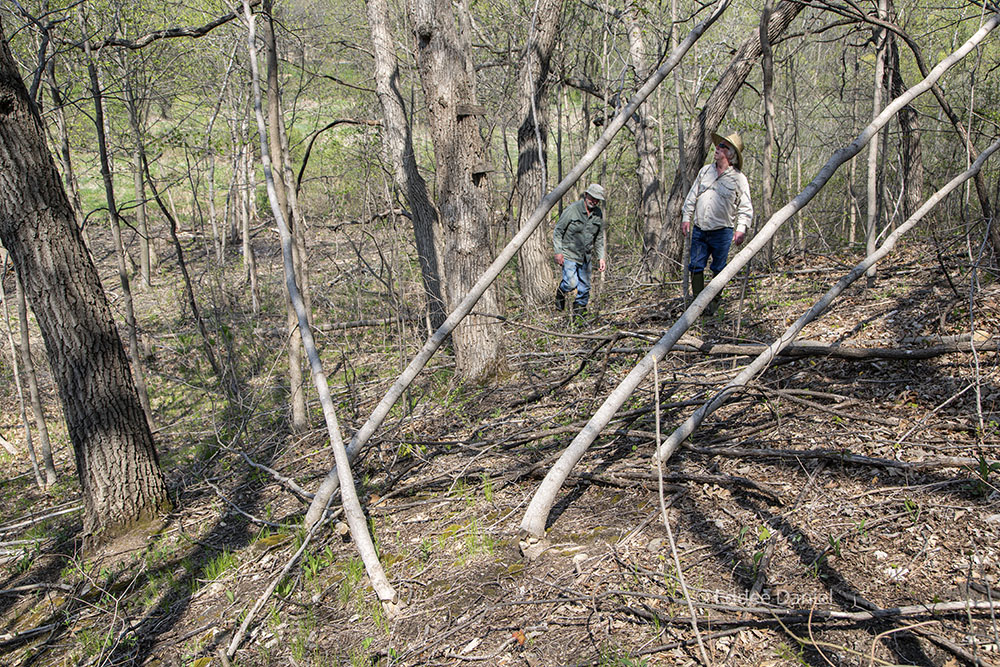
pixel 718 201
pixel 578 238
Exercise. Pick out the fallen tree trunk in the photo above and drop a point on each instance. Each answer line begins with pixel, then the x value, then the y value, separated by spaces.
pixel 536 516
pixel 330 484
pixel 808 348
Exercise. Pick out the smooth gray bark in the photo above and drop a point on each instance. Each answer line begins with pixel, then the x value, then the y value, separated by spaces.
pixel 352 507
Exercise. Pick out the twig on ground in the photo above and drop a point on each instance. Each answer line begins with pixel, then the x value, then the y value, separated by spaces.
pixel 666 524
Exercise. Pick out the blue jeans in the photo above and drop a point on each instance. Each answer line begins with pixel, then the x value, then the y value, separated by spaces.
pixel 576 275
pixel 715 243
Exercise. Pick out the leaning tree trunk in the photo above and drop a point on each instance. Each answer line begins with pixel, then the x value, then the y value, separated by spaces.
pixel 822 305
pixel 448 80
pixel 534 270
pixel 536 516
pixel 120 480
pixel 652 204
pixel 699 137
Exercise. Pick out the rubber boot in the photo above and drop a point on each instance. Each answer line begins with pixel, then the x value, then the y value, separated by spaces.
pixel 560 299
pixel 697 283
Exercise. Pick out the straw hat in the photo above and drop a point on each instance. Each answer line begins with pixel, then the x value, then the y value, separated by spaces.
pixel 733 140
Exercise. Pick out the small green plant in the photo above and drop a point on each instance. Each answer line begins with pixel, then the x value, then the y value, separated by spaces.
pixel 426 546
pixel 93 641
pixel 614 656
pixel 353 570
pixel 912 508
pixel 786 652
pixel 834 545
pixel 218 566
pixel 286 587
pixel 984 469
pixel 860 526
pixel 487 487
pixel 23 564
pixel 763 533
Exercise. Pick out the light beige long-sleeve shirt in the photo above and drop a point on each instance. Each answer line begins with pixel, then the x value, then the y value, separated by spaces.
pixel 716 201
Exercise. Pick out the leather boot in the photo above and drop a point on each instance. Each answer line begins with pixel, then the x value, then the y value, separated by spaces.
pixel 560 299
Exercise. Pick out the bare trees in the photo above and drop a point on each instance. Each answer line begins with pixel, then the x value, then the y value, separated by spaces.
pixel 116 462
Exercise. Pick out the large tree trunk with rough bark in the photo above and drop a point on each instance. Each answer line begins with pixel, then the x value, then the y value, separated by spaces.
pixel 397 144
pixel 448 81
pixel 667 258
pixel 534 270
pixel 120 480
pixel 652 204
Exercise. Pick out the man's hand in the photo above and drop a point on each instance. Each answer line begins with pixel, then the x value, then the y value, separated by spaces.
pixel 559 258
pixel 738 237
pixel 685 227
pixel 603 265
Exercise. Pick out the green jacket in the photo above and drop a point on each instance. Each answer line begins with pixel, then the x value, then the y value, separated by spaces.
pixel 579 236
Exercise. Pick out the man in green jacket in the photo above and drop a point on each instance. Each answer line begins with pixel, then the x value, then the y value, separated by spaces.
pixel 578 238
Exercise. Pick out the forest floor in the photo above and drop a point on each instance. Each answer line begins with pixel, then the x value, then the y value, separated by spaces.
pixel 816 517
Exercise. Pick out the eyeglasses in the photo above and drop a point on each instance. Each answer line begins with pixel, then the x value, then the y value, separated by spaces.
pixel 725 147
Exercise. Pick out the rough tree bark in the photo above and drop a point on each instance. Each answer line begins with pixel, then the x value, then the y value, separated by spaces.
pixel 699 137
pixel 448 80
pixel 120 480
pixel 652 204
pixel 534 269
pixel 397 145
